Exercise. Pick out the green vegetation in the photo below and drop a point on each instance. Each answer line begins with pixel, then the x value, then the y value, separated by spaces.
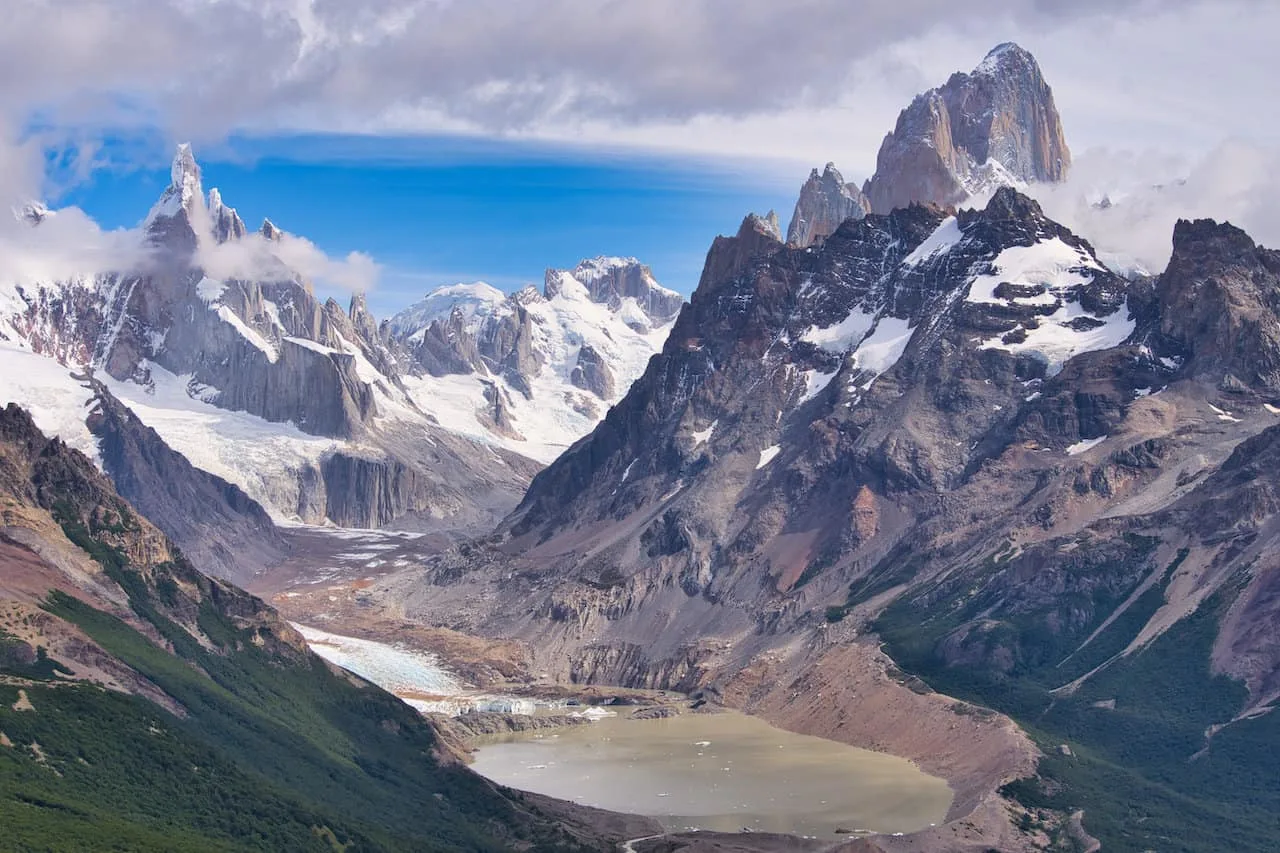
pixel 272 750
pixel 1140 764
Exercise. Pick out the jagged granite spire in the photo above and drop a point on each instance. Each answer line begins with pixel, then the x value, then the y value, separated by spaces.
pixel 995 126
pixel 825 202
pixel 180 213
pixel 226 223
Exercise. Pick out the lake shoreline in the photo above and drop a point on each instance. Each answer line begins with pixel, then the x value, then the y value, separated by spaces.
pixel 726 772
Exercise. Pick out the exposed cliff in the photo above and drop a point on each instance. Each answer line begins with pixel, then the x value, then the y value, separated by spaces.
pixel 965 432
pixel 994 126
pixel 825 202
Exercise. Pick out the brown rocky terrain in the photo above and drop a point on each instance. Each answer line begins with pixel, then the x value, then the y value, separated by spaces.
pixel 960 431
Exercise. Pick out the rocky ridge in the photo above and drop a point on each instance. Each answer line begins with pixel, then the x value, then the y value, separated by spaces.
pixel 957 420
pixel 535 370
pixel 121 664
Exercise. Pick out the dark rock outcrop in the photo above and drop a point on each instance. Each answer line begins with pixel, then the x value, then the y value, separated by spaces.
pixel 592 373
pixel 1217 302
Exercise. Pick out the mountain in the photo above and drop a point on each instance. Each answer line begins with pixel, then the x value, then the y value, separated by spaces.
pixel 316 413
pixel 1042 485
pixel 534 371
pixel 146 706
pixel 995 126
pixel 825 202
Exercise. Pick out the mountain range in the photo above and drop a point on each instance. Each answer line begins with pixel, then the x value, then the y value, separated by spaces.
pixel 297 409
pixel 925 476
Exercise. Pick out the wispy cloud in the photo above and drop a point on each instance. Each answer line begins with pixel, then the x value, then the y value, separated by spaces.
pixel 254 257
pixel 1127 204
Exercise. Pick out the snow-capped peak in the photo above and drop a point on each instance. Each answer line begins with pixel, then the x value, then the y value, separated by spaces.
pixel 591 269
pixel 472 300
pixel 184 192
pixel 226 223
pixel 1000 58
pixel 184 172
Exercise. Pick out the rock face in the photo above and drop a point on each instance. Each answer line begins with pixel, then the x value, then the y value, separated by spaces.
pixel 994 126
pixel 804 400
pixel 213 521
pixel 962 430
pixel 1218 298
pixel 226 352
pixel 537 369
pixel 825 202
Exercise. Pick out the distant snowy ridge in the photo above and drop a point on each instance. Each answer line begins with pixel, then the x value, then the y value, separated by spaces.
pixel 534 371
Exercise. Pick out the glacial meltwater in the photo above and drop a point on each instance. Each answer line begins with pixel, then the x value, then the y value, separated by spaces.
pixel 726 772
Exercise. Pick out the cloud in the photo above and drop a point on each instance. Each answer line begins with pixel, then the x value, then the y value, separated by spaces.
pixel 804 81
pixel 66 245
pixel 1127 204
pixel 205 66
pixel 799 83
pixel 253 257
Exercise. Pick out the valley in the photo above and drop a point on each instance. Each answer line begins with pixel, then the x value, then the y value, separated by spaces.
pixel 925 527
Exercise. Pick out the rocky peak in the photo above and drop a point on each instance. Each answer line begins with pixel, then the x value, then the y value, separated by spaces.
pixel 995 126
pixel 609 281
pixel 270 231
pixel 226 223
pixel 362 319
pixel 825 201
pixel 184 172
pixel 770 223
pixel 1219 304
pixel 180 214
pixel 32 213
pixel 729 256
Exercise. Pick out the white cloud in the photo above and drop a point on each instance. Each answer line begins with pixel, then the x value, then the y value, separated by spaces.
pixel 66 245
pixel 688 74
pixel 253 257
pixel 794 83
pixel 1146 194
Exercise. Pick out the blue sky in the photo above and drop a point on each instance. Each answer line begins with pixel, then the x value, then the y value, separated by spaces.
pixel 437 210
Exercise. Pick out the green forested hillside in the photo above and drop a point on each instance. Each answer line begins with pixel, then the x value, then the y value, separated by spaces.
pixel 263 747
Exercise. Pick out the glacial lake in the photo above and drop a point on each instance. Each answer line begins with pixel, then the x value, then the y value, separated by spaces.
pixel 725 772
